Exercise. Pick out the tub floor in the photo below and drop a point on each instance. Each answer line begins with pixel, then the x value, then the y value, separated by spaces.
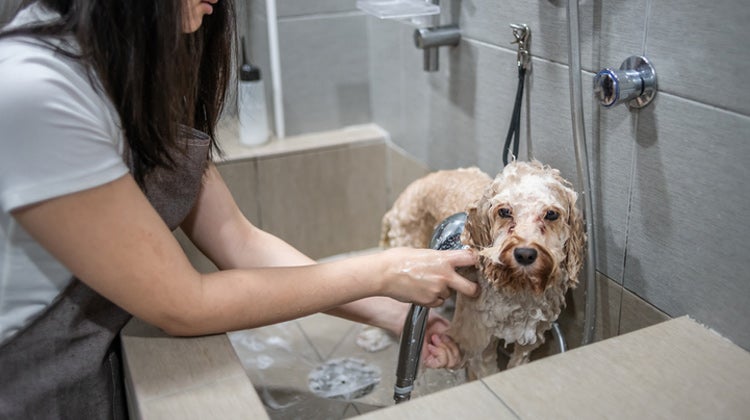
pixel 278 359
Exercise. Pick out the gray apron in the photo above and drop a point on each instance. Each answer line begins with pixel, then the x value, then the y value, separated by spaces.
pixel 66 363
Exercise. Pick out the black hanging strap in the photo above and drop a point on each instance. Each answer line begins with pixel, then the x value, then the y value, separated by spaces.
pixel 514 131
pixel 512 140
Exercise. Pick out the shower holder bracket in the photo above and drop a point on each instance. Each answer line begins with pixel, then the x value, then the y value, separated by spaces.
pixel 634 83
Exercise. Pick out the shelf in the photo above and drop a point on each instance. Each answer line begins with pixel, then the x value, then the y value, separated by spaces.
pixel 397 9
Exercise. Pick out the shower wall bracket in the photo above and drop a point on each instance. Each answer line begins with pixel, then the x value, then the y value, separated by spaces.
pixel 634 83
pixel 429 39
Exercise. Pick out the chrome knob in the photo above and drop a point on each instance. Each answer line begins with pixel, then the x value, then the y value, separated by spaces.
pixel 634 83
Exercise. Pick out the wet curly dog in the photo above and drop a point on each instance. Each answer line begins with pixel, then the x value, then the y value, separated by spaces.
pixel 529 236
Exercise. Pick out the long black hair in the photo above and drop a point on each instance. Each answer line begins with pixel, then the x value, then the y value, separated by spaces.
pixel 157 76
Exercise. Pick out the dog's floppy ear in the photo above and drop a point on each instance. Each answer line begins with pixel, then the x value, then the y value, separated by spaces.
pixel 575 245
pixel 477 233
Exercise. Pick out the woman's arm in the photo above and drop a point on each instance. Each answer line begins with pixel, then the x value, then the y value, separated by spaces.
pixel 219 229
pixel 113 240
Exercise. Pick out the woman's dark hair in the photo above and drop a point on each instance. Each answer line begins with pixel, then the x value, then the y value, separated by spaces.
pixel 156 76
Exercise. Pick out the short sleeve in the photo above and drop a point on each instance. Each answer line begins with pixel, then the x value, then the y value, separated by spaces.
pixel 58 134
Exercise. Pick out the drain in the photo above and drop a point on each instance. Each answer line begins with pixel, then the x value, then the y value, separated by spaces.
pixel 345 378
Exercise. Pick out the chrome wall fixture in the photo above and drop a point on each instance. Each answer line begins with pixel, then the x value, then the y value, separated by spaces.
pixel 634 83
pixel 429 39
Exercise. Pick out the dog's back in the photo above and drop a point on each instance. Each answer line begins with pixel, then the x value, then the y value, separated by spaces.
pixel 429 200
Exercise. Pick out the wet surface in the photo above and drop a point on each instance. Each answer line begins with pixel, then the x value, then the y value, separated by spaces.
pixel 344 378
pixel 294 367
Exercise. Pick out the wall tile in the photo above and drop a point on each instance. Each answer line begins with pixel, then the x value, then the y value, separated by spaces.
pixel 677 369
pixel 415 94
pixel 292 8
pixel 402 171
pixel 252 26
pixel 572 318
pixel 612 142
pixel 324 73
pixel 241 179
pixel 611 30
pixel 460 115
pixel 687 247
pixel 470 90
pixel 8 9
pixel 256 6
pixel 700 50
pixel 199 261
pixel 637 314
pixel 550 118
pixel 384 58
pixel 308 198
pixel 155 371
pixel 286 8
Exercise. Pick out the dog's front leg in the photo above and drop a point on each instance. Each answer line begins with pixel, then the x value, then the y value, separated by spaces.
pixel 484 364
pixel 522 354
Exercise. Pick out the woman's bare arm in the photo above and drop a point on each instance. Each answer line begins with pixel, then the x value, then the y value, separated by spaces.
pixel 113 240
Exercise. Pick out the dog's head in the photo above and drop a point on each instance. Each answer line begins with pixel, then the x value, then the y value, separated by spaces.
pixel 527 229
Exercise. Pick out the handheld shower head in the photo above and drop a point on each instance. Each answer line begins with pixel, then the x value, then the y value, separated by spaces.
pixel 446 236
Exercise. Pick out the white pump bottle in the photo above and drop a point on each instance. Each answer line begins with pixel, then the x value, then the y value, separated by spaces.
pixel 251 105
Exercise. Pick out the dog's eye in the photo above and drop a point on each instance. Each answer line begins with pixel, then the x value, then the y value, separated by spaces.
pixel 551 215
pixel 504 212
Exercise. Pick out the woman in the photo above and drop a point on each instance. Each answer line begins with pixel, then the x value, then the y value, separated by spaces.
pixel 107 115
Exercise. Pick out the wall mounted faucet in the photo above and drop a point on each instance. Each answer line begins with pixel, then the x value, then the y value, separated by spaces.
pixel 634 83
pixel 429 39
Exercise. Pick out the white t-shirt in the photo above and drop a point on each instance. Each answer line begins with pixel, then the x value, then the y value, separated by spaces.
pixel 58 135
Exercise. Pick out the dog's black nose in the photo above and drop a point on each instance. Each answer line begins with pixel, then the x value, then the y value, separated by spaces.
pixel 525 256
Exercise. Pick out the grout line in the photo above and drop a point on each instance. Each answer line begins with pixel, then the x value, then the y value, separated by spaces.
pixel 309 341
pixel 500 398
pixel 512 51
pixel 646 24
pixel 628 217
pixel 698 102
pixel 341 341
pixel 660 90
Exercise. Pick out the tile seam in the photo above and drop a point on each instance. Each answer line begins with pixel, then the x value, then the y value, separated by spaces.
pixel 512 411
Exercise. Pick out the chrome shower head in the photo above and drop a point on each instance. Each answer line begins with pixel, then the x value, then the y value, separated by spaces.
pixel 447 234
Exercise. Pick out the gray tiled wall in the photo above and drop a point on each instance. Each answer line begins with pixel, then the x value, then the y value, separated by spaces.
pixel 669 181
pixel 7 10
pixel 323 52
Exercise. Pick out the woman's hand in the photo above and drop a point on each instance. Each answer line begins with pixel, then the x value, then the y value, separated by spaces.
pixel 426 277
pixel 439 350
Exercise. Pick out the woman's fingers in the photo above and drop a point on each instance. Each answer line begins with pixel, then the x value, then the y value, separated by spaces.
pixel 426 277
pixel 462 258
pixel 442 352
